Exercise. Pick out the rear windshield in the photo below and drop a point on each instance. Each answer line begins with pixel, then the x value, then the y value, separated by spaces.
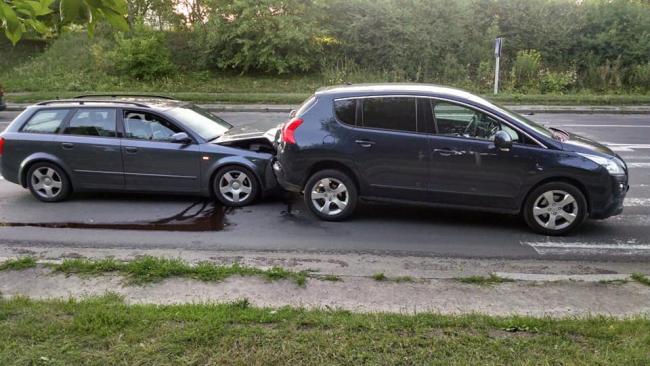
pixel 204 123
pixel 304 107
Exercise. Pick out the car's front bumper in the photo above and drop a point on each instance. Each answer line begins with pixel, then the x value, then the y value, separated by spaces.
pixel 614 203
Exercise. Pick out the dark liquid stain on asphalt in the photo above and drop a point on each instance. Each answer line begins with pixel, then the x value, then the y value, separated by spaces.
pixel 200 216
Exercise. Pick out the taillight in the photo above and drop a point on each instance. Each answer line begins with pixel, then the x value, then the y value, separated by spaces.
pixel 289 129
pixel 2 146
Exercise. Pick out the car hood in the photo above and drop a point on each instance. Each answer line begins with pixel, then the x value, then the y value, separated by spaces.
pixel 580 144
pixel 251 131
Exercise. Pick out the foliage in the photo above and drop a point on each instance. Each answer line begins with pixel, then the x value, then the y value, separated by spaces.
pixel 525 69
pixel 557 82
pixel 273 36
pixel 17 16
pixel 141 56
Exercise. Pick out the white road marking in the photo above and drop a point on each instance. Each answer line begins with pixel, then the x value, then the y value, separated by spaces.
pixel 627 147
pixel 576 125
pixel 636 202
pixel 563 248
pixel 638 165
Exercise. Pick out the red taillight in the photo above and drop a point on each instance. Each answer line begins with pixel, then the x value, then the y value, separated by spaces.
pixel 2 146
pixel 289 129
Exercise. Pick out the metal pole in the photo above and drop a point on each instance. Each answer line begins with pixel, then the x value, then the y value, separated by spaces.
pixel 496 76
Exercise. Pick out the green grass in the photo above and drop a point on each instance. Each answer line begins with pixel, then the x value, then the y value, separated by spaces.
pixel 330 277
pixel 641 278
pixel 105 331
pixel 267 97
pixel 381 277
pixel 18 264
pixel 153 269
pixel 490 280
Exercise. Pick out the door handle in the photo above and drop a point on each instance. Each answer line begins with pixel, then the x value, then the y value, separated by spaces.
pixel 131 149
pixel 67 145
pixel 365 143
pixel 448 152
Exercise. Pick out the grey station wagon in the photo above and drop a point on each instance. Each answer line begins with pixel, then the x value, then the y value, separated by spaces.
pixel 134 143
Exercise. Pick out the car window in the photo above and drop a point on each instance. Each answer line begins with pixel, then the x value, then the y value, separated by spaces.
pixel 46 121
pixel 92 122
pixel 200 121
pixel 456 120
pixel 390 113
pixel 346 111
pixel 146 126
pixel 304 107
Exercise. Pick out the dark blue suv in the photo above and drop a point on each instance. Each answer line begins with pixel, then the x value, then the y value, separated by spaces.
pixel 439 146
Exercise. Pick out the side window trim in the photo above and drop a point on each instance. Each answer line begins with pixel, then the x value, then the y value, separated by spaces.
pixel 157 115
pixel 64 121
pixel 68 119
pixel 435 101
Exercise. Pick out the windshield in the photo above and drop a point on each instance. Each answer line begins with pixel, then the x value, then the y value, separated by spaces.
pixel 204 123
pixel 534 125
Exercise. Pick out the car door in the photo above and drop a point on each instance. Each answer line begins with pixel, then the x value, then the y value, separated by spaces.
pixel 390 152
pixel 90 146
pixel 152 162
pixel 466 167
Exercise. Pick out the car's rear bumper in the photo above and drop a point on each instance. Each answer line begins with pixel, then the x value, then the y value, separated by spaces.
pixel 281 176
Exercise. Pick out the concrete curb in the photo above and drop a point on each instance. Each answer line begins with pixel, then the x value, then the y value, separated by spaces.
pixel 526 109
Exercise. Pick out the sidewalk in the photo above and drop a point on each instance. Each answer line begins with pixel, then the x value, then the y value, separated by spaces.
pixel 286 108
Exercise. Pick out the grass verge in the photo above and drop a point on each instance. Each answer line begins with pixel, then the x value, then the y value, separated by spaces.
pixel 297 98
pixel 490 280
pixel 641 278
pixel 381 277
pixel 18 264
pixel 152 269
pixel 105 331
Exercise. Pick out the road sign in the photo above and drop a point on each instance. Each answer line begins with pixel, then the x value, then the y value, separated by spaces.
pixel 498 43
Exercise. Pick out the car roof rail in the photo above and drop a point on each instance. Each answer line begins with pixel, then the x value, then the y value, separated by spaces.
pixel 82 102
pixel 117 95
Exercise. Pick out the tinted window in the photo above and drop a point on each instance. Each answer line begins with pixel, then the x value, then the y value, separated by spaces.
pixel 390 113
pixel 92 122
pixel 346 110
pixel 145 126
pixel 46 121
pixel 304 107
pixel 456 120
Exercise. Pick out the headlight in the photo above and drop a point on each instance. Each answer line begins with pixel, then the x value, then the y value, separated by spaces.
pixel 610 164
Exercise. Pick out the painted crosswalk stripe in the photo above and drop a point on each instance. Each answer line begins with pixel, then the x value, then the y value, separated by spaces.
pixel 563 248
pixel 636 202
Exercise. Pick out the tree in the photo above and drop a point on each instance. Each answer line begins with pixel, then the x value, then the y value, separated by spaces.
pixel 19 16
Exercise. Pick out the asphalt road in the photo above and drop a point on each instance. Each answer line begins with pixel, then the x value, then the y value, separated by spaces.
pixel 269 225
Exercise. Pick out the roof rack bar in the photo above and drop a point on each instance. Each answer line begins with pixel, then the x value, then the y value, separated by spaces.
pixel 82 102
pixel 116 95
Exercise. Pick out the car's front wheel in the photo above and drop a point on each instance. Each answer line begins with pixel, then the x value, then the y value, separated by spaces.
pixel 48 182
pixel 555 208
pixel 331 195
pixel 235 186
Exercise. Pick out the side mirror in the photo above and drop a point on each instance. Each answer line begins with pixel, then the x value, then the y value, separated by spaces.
pixel 292 113
pixel 503 141
pixel 181 138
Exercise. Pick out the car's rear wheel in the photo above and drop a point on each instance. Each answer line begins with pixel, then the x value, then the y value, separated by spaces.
pixel 331 195
pixel 555 208
pixel 235 186
pixel 48 182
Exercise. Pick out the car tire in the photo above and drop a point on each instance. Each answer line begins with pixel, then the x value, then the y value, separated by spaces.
pixel 48 182
pixel 235 186
pixel 566 211
pixel 331 195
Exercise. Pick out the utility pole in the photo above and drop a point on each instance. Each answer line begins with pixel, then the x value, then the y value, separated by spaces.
pixel 498 43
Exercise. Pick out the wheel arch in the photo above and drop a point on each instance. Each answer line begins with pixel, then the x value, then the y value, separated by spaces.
pixel 574 182
pixel 335 165
pixel 233 162
pixel 28 162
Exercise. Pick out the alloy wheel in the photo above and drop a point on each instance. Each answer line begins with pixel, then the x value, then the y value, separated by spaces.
pixel 235 186
pixel 46 182
pixel 555 210
pixel 330 196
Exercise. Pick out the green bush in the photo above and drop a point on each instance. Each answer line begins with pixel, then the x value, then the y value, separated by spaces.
pixel 525 70
pixel 141 56
pixel 640 78
pixel 553 82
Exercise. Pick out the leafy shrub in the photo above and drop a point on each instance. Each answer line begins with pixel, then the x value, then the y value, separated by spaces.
pixel 270 36
pixel 141 56
pixel 605 77
pixel 640 77
pixel 557 82
pixel 525 70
